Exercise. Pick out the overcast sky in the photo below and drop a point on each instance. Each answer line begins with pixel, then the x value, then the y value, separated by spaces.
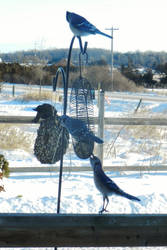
pixel 41 24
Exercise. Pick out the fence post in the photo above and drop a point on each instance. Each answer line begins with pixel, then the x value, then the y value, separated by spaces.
pixel 13 90
pixel 101 124
pixel 99 88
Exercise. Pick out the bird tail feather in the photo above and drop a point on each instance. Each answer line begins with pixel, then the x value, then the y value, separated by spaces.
pixel 97 139
pixel 128 196
pixel 104 34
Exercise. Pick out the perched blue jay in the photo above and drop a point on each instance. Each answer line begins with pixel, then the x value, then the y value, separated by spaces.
pixel 79 130
pixel 81 27
pixel 105 185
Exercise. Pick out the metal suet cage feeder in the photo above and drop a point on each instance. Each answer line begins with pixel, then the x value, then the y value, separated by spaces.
pixel 81 107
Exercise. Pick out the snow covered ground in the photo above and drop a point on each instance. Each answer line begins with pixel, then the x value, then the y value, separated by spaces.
pixel 37 192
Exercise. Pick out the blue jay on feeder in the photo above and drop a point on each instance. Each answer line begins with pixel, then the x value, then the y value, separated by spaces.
pixel 79 130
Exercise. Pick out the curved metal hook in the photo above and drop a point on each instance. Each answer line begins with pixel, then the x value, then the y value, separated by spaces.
pixel 80 62
pixel 55 80
pixel 82 50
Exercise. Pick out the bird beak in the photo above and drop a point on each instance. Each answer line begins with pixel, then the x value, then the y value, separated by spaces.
pixel 67 16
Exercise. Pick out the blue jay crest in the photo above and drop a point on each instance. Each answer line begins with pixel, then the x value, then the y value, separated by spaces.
pixel 81 107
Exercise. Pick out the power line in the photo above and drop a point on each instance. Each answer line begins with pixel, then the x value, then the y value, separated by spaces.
pixel 112 59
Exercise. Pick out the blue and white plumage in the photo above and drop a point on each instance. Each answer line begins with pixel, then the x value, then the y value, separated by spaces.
pixel 105 185
pixel 81 27
pixel 79 130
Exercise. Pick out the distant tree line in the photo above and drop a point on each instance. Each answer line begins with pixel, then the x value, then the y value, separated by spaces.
pixel 97 72
pixel 147 59
pixel 39 67
pixel 149 78
pixel 162 69
pixel 43 75
pixel 16 73
pixel 29 74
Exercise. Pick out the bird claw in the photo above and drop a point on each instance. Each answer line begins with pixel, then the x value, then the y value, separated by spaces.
pixel 103 210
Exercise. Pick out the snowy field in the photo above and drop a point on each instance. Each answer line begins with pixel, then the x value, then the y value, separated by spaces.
pixel 37 192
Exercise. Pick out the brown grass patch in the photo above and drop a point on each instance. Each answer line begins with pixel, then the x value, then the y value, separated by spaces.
pixel 37 95
pixel 12 137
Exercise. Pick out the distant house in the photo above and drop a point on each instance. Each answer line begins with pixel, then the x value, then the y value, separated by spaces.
pixel 0 60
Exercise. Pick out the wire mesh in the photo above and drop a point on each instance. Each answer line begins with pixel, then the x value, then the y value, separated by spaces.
pixel 48 144
pixel 81 107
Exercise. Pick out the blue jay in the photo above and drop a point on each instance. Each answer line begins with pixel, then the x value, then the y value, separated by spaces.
pixel 105 185
pixel 81 27
pixel 79 130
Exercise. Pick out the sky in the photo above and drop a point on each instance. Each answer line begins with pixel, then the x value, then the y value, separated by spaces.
pixel 41 24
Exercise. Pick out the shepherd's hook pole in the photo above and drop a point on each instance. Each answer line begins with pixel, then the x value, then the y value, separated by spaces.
pixel 64 112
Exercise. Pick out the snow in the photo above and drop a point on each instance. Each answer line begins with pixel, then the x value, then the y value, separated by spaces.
pixel 37 192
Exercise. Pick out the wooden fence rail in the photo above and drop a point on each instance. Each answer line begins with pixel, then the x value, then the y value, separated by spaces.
pixel 87 168
pixel 82 230
pixel 145 98
pixel 107 121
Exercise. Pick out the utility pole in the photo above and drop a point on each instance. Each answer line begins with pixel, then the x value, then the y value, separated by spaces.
pixel 112 40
